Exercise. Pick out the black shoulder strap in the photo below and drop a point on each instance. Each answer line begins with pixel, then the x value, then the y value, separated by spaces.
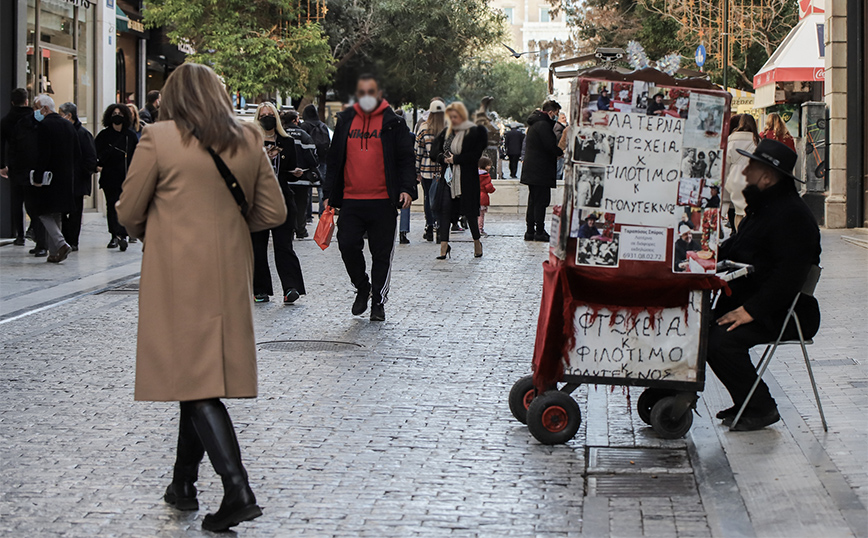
pixel 231 182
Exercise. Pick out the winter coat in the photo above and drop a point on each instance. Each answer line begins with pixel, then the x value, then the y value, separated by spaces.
pixel 60 154
pixel 87 165
pixel 513 141
pixel 196 338
pixel 149 114
pixel 305 157
pixel 475 143
pixel 781 239
pixel 542 152
pixel 318 132
pixel 13 154
pixel 398 157
pixel 114 152
pixel 485 188
pixel 787 139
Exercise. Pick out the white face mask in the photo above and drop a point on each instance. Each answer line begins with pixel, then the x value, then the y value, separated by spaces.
pixel 368 103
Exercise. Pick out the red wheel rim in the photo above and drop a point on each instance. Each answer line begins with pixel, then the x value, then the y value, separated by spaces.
pixel 554 419
pixel 528 398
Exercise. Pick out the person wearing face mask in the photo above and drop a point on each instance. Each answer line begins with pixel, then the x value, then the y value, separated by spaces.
pixel 780 238
pixel 540 168
pixel 280 148
pixel 83 175
pixel 115 146
pixel 371 173
pixel 305 156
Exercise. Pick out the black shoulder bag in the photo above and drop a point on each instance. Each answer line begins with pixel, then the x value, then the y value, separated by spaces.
pixel 231 182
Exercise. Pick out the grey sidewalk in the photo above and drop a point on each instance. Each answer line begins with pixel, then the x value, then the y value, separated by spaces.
pixel 407 432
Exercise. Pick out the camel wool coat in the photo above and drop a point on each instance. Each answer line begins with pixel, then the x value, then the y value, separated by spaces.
pixel 196 337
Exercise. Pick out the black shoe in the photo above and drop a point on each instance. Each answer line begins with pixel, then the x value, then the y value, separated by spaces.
pixel 61 255
pixel 403 238
pixel 122 243
pixel 181 496
pixel 528 236
pixel 291 296
pixel 74 248
pixel 754 421
pixel 19 242
pixel 542 237
pixel 729 412
pixel 113 243
pixel 457 228
pixel 378 312
pixel 260 298
pixel 39 252
pixel 302 235
pixel 429 234
pixel 133 240
pixel 361 302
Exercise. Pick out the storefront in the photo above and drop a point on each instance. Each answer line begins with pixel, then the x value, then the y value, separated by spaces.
pixel 130 76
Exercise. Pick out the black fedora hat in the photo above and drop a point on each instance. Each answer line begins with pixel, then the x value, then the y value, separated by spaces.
pixel 775 155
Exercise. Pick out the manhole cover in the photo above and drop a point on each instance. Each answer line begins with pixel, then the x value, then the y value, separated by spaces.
pixel 641 485
pixel 308 345
pixel 610 460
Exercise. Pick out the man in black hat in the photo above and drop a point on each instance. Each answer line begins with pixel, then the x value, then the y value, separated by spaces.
pixel 780 238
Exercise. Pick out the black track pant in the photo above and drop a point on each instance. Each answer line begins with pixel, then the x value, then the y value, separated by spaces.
pixel 300 195
pixel 112 195
pixel 513 165
pixel 71 222
pixel 378 219
pixel 538 201
pixel 288 266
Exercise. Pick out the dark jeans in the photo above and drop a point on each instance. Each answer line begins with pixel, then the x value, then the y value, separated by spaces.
pixel 288 266
pixel 71 222
pixel 16 195
pixel 513 165
pixel 112 195
pixel 429 213
pixel 300 194
pixel 538 201
pixel 377 219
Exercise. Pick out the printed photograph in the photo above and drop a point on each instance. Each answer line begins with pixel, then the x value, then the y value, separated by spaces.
pixel 592 145
pixel 704 126
pixel 589 183
pixel 598 252
pixel 695 249
pixel 690 191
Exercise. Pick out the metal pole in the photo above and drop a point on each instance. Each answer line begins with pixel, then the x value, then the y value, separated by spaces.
pixel 725 42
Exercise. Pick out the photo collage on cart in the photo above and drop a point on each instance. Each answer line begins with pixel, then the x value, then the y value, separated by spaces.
pixel 644 160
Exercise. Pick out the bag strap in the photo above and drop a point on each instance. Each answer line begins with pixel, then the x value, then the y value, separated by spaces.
pixel 231 182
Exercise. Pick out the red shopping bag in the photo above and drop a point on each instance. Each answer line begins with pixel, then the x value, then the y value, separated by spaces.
pixel 325 229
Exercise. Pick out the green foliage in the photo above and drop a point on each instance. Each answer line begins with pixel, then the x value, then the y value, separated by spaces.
pixel 517 88
pixel 257 46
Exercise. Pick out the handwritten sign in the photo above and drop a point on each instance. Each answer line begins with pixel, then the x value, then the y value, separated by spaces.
pixel 643 243
pixel 617 345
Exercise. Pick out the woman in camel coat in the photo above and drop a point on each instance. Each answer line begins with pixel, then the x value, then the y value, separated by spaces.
pixel 196 341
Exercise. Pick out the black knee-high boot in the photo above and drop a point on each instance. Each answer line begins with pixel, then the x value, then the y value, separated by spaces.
pixel 181 493
pixel 215 430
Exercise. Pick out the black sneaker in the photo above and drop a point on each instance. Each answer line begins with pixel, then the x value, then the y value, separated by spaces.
pixel 291 296
pixel 378 312
pixel 19 242
pixel 122 243
pixel 260 298
pixel 302 235
pixel 542 237
pixel 754 421
pixel 40 252
pixel 113 243
pixel 361 302
pixel 528 236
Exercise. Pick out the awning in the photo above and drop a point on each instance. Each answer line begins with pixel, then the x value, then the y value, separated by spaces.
pixel 799 58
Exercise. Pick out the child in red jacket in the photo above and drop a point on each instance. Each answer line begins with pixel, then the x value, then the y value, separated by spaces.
pixel 485 188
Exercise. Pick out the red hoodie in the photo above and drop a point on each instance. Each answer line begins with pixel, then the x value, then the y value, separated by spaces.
pixel 365 169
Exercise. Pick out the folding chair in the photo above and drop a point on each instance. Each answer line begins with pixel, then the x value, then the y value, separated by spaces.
pixel 807 289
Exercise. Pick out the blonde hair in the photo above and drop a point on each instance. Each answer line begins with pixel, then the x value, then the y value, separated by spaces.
pixel 136 122
pixel 458 107
pixel 195 99
pixel 776 124
pixel 435 123
pixel 278 127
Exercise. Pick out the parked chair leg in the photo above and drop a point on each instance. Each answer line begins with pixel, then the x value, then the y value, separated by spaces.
pixel 763 364
pixel 811 374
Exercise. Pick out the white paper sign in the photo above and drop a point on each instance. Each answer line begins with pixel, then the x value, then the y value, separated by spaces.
pixel 643 244
pixel 636 348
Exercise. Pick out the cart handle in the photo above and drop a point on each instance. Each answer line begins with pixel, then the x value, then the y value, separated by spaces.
pixel 729 270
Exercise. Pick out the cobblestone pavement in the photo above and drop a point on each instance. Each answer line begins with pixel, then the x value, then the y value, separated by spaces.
pixel 405 433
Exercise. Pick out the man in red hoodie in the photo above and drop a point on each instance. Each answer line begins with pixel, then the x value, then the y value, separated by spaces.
pixel 371 173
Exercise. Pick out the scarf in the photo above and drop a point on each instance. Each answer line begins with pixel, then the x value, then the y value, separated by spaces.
pixel 457 144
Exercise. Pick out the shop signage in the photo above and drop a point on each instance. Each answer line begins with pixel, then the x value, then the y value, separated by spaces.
pixel 136 26
pixel 81 3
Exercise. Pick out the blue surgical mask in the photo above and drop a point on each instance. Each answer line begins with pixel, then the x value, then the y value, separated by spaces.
pixel 37 114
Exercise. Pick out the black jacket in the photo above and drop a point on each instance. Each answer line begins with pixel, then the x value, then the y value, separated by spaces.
pixel 288 161
pixel 87 165
pixel 59 153
pixel 542 152
pixel 305 156
pixel 111 147
pixel 149 114
pixel 512 141
pixel 399 157
pixel 780 238
pixel 19 159
pixel 475 143
pixel 317 131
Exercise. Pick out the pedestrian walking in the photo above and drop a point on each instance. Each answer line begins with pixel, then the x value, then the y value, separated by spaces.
pixel 151 111
pixel 485 188
pixel 192 172
pixel 540 168
pixel 136 124
pixel 321 136
pixel 115 146
pixel 427 167
pixel 371 173
pixel 71 222
pixel 745 138
pixel 280 149
pixel 514 142
pixel 15 147
pixel 305 154
pixel 776 129
pixel 460 147
pixel 53 179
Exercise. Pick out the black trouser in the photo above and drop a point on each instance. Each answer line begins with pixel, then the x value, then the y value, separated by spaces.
pixel 538 201
pixel 513 165
pixel 300 193
pixel 729 357
pixel 443 229
pixel 288 266
pixel 38 230
pixel 112 195
pixel 429 213
pixel 377 218
pixel 16 195
pixel 71 222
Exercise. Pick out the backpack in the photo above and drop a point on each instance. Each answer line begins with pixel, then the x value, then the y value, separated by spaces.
pixel 320 135
pixel 24 147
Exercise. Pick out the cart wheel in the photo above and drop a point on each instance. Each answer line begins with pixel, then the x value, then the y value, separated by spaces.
pixel 553 417
pixel 520 396
pixel 663 424
pixel 646 402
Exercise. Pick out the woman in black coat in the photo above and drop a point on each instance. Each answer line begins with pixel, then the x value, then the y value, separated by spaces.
pixel 459 147
pixel 115 146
